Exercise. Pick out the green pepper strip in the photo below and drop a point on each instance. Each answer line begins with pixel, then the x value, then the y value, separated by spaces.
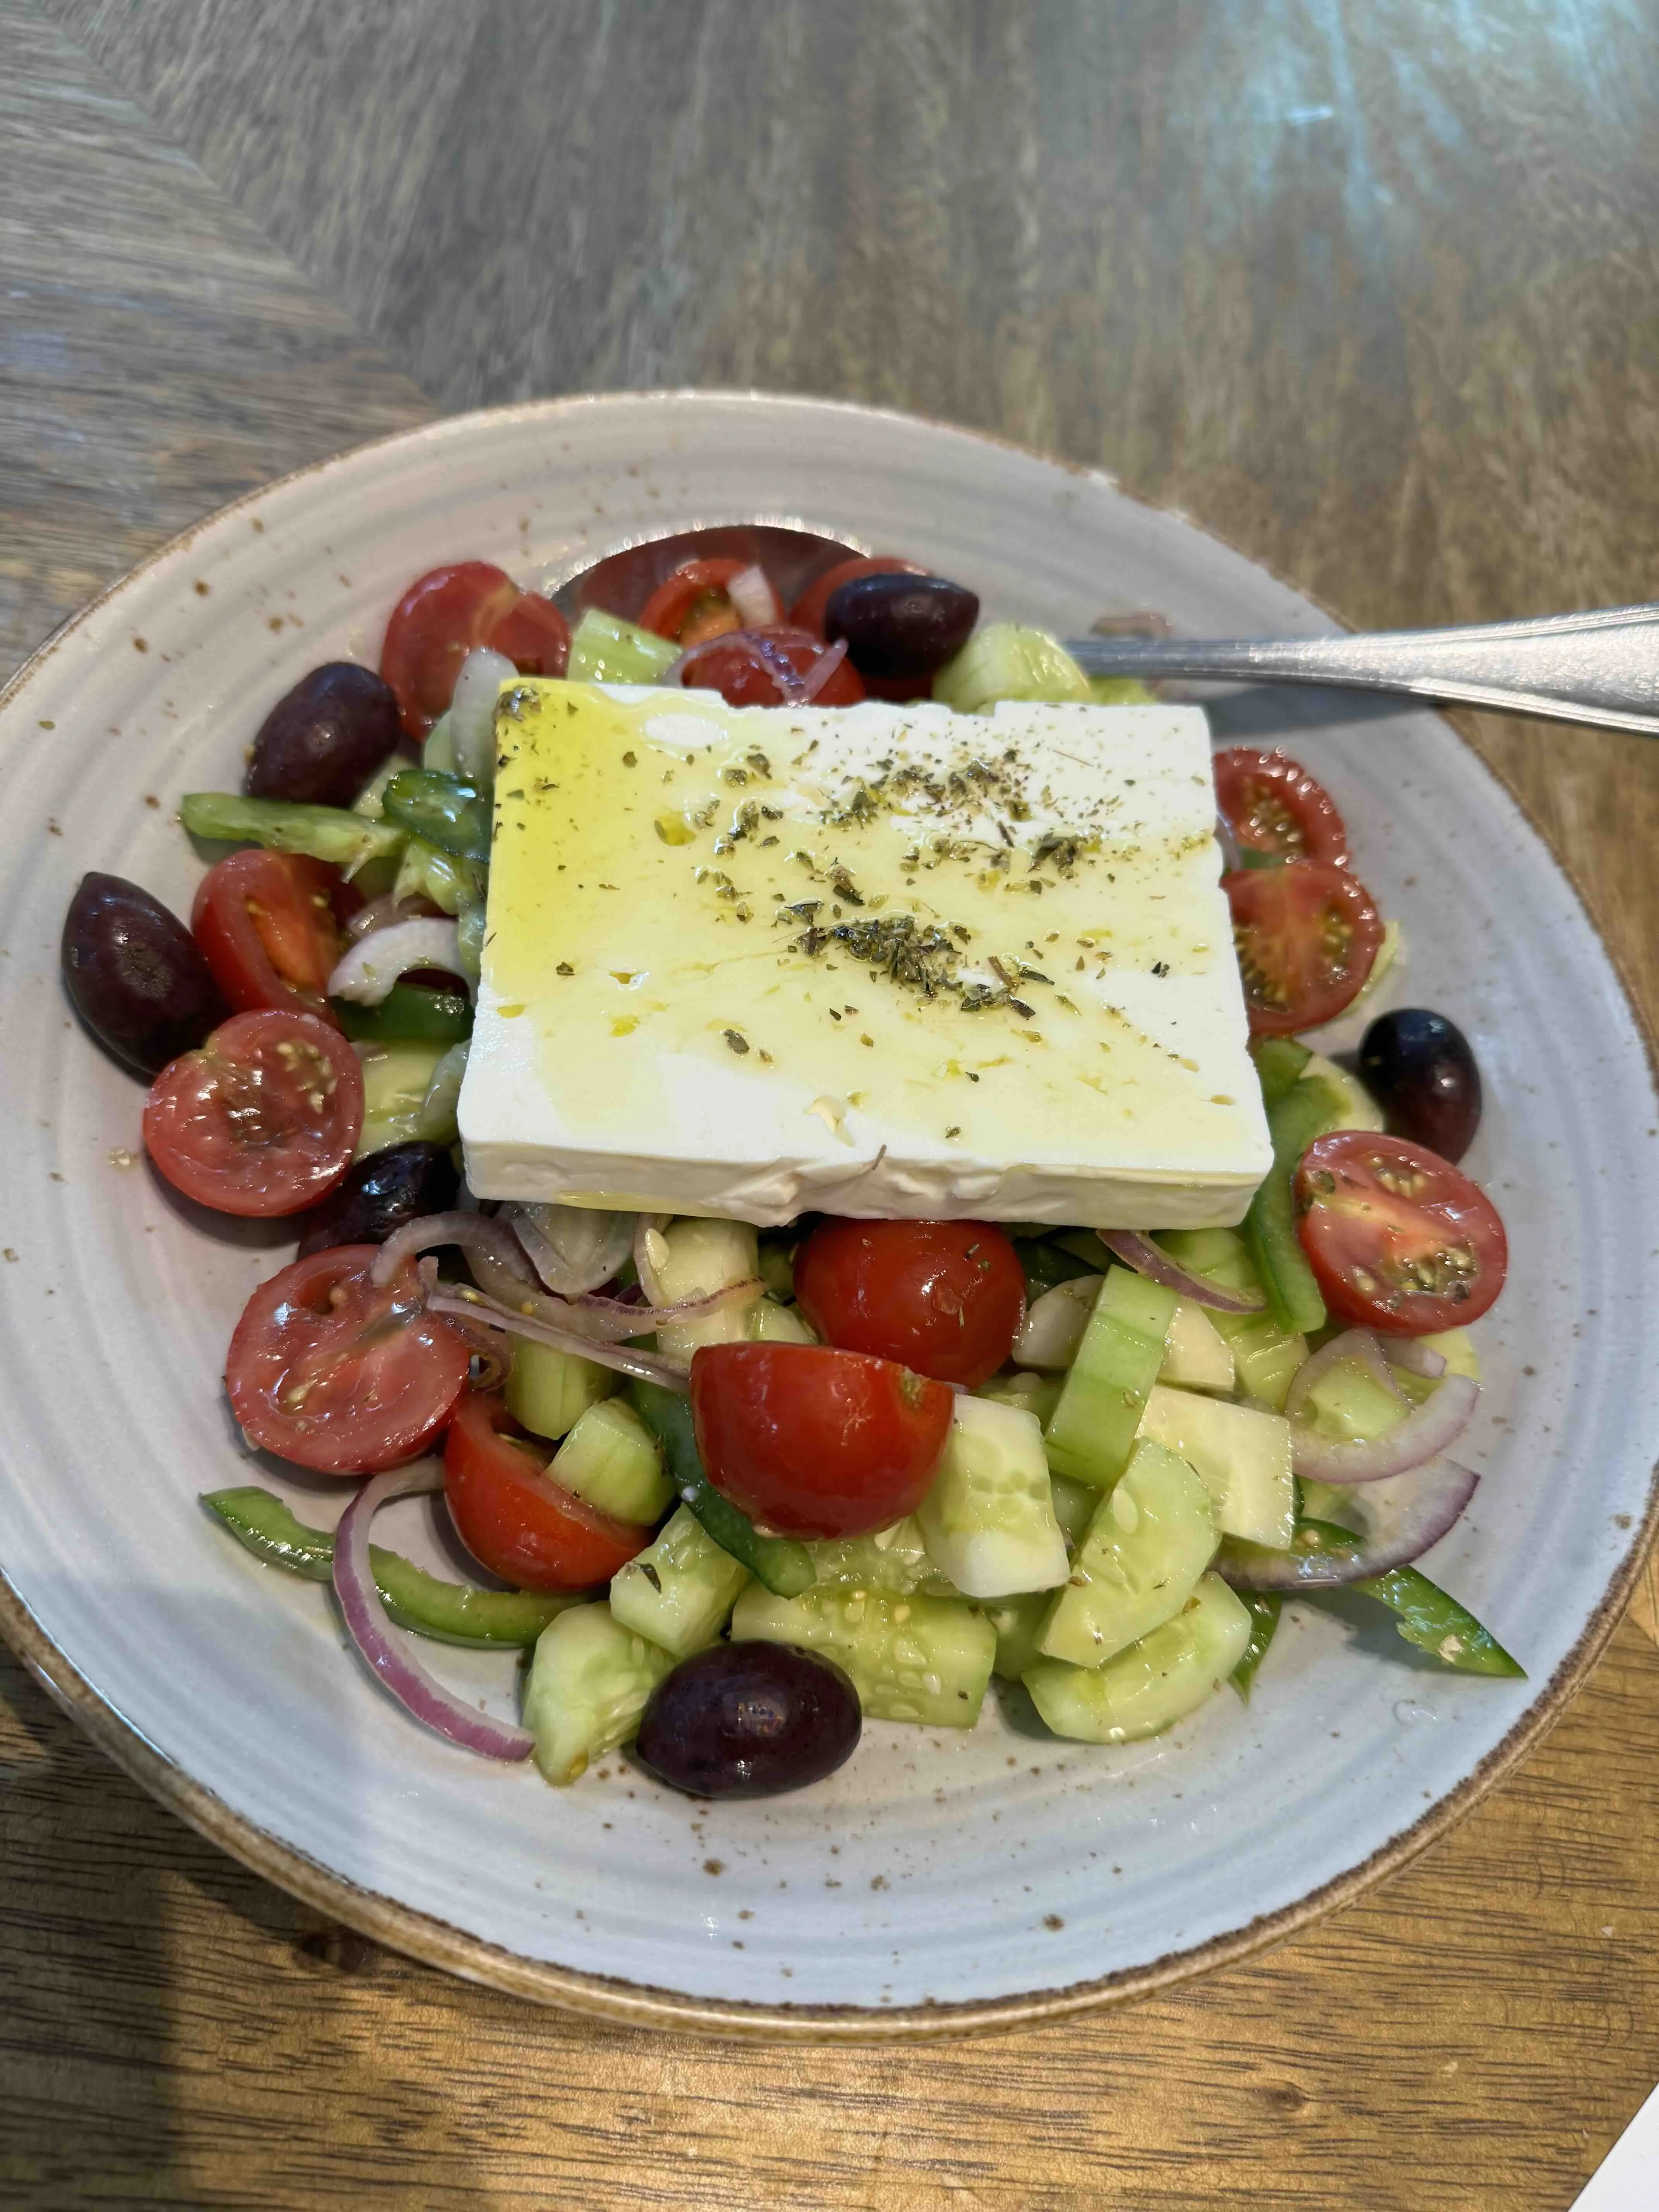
pixel 785 1567
pixel 408 1013
pixel 1047 1264
pixel 1264 1608
pixel 1429 1617
pixel 443 810
pixel 449 1613
pixel 1279 1063
pixel 322 832
pixel 1293 1121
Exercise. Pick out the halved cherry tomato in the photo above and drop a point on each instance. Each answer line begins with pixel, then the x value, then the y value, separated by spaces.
pixel 808 610
pixel 1306 935
pixel 447 614
pixel 1271 805
pixel 265 922
pixel 1399 1239
pixel 692 604
pixel 261 1119
pixel 815 1443
pixel 516 1520
pixel 330 1370
pixel 944 1297
pixel 737 673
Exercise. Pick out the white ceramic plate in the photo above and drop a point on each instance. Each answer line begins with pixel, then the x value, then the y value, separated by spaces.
pixel 938 1881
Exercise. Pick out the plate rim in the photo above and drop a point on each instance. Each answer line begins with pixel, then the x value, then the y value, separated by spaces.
pixel 615 1999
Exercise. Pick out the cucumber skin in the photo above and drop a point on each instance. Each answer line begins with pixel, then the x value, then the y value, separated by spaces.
pixel 612 1462
pixel 1144 1553
pixel 1265 1358
pixel 696 1586
pixel 1156 1682
pixel 784 1567
pixel 589 1681
pixel 1294 1121
pixel 890 1646
pixel 1092 1432
pixel 549 1390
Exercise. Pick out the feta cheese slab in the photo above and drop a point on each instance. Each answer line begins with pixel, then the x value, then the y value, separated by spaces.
pixel 878 961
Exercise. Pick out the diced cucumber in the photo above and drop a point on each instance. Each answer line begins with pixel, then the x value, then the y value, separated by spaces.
pixel 1349 1406
pixel 397 1077
pixel 1265 1356
pixel 336 834
pixel 772 1323
pixel 1150 1539
pixel 605 649
pixel 612 1461
pixel 1353 1105
pixel 1092 1432
pixel 1006 660
pixel 1055 1323
pixel 1196 1355
pixel 436 1123
pixel 588 1684
pixel 1279 1062
pixel 679 1591
pixel 1019 1623
pixel 1242 1455
pixel 693 1259
pixel 1153 1684
pixel 894 1560
pixel 990 1518
pixel 1457 1347
pixel 921 1659
pixel 1036 1394
pixel 1075 1506
pixel 550 1391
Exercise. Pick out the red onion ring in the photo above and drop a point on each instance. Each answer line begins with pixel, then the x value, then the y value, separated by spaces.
pixel 751 594
pixel 477 1234
pixel 536 1228
pixel 821 671
pixel 646 1366
pixel 1424 1434
pixel 1438 1501
pixel 766 652
pixel 368 969
pixel 370 1630
pixel 1357 1346
pixel 1412 1358
pixel 380 913
pixel 1149 1260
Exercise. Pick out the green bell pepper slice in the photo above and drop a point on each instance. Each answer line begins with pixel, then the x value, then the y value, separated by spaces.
pixel 1264 1608
pixel 444 811
pixel 784 1567
pixel 409 1011
pixel 335 834
pixel 1294 1118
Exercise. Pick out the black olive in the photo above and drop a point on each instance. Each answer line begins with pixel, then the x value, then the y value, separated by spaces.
pixel 901 629
pixel 1418 1067
pixel 136 976
pixel 749 1720
pixel 380 1194
pixel 323 740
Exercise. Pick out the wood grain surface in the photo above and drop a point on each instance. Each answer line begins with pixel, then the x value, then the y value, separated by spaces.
pixel 1367 287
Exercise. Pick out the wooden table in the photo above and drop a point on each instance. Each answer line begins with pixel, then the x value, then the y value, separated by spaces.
pixel 1368 287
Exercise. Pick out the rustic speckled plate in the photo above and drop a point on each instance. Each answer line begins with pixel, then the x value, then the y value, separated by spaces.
pixel 940 1882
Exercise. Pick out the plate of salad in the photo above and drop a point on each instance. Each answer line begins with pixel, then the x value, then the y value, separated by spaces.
pixel 889 1581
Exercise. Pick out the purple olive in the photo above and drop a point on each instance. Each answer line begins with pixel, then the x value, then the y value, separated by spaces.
pixel 323 740
pixel 749 1720
pixel 381 1193
pixel 1420 1069
pixel 900 630
pixel 136 976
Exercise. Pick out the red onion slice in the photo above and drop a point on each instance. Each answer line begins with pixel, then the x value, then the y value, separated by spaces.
pixel 648 1366
pixel 479 1235
pixel 1149 1260
pixel 751 593
pixel 821 671
pixel 380 913
pixel 1437 1500
pixel 1425 1433
pixel 1356 1345
pixel 1412 1357
pixel 574 1249
pixel 371 966
pixel 370 1630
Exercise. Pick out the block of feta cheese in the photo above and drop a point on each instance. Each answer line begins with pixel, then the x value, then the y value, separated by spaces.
pixel 879 961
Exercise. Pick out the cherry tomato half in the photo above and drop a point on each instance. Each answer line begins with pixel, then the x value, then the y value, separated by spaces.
pixel 332 1372
pixel 447 614
pixel 808 612
pixel 1307 935
pixel 1399 1239
pixel 1273 806
pixel 944 1297
pixel 692 604
pixel 736 672
pixel 261 1119
pixel 516 1520
pixel 265 923
pixel 812 1442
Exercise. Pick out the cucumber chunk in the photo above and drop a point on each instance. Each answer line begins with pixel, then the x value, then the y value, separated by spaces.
pixel 1156 1682
pixel 1006 660
pixel 605 649
pixel 921 1659
pixel 1054 1324
pixel 588 1684
pixel 1351 1406
pixel 769 1323
pixel 894 1560
pixel 1019 1623
pixel 693 1259
pixel 1244 1456
pixel 612 1461
pixel 1149 1543
pixel 549 1391
pixel 1196 1355
pixel 1037 1393
pixel 1092 1432
pixel 680 1590
pixel 1265 1356
pixel 1075 1505
pixel 990 1518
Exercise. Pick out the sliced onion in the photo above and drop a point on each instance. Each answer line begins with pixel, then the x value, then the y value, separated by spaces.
pixel 1425 1433
pixel 373 963
pixel 610 1320
pixel 1436 1501
pixel 380 913
pixel 473 713
pixel 821 671
pixel 647 1234
pixel 573 1248
pixel 1152 1260
pixel 1412 1357
pixel 751 593
pixel 1358 1348
pixel 1231 861
pixel 477 1234
pixel 648 1366
pixel 372 1632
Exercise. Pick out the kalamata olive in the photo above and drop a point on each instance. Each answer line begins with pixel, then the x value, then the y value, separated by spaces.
pixel 136 976
pixel 901 629
pixel 749 1720
pixel 1419 1069
pixel 323 740
pixel 380 1194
